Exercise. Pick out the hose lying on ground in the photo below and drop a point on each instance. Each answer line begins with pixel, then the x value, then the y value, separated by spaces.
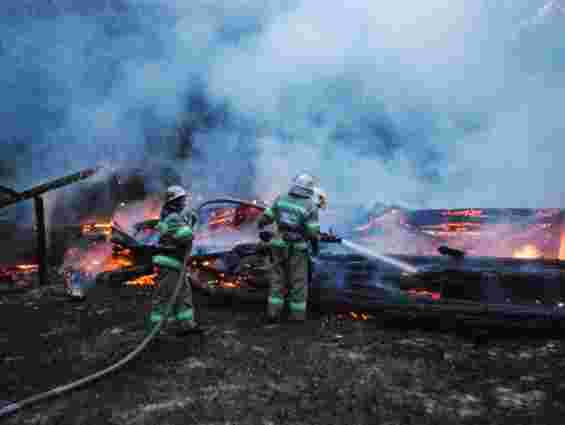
pixel 13 407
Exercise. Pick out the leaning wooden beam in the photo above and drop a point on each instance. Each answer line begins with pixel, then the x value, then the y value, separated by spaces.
pixel 7 191
pixel 46 187
pixel 35 194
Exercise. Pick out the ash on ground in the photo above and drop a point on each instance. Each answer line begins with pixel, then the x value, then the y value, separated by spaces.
pixel 331 370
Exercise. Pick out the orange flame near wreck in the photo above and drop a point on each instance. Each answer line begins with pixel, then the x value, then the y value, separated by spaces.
pixel 104 228
pixel 27 267
pixel 527 252
pixel 147 280
pixel 562 247
pixel 96 259
pixel 359 316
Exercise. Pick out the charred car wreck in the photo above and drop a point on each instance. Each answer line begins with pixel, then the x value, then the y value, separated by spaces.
pixel 229 261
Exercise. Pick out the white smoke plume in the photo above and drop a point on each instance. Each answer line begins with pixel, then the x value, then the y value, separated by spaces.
pixel 437 103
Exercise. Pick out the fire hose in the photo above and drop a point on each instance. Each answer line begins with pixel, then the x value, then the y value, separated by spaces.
pixel 330 237
pixel 14 407
pixel 266 236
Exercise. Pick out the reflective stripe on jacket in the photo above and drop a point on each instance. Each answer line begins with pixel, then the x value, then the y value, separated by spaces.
pixel 295 214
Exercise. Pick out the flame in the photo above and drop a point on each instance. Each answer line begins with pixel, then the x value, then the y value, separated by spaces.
pixel 104 228
pixel 117 263
pixel 562 247
pixel 97 258
pixel 126 252
pixel 147 280
pixel 228 284
pixel 219 221
pixel 463 213
pixel 527 251
pixel 18 272
pixel 27 267
pixel 359 316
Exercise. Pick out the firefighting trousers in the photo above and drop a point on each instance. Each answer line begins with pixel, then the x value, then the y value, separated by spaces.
pixel 182 309
pixel 290 272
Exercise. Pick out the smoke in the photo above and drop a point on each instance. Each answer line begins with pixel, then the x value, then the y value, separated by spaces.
pixel 437 103
pixel 121 84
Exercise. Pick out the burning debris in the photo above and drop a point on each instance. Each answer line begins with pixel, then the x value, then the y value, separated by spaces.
pixel 147 280
pixel 104 229
pixel 19 276
pixel 97 258
pixel 208 274
pixel 354 316
pixel 528 251
pixel 508 233
pixel 104 248
pixel 359 316
pixel 36 193
pixel 228 260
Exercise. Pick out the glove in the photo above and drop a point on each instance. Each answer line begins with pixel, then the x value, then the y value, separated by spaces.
pixel 266 236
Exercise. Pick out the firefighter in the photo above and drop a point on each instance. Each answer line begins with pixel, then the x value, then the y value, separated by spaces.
pixel 295 215
pixel 175 227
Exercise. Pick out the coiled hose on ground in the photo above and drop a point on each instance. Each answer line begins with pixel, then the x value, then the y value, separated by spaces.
pixel 14 407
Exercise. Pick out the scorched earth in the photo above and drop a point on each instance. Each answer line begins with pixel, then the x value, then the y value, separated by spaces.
pixel 334 369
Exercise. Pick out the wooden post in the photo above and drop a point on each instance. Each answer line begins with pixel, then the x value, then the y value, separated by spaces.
pixel 41 248
pixel 35 193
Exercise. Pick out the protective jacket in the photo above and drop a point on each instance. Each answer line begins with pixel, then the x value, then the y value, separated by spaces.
pixel 296 219
pixel 176 229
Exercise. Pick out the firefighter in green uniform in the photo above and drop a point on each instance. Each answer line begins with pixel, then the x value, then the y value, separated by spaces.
pixel 175 226
pixel 296 217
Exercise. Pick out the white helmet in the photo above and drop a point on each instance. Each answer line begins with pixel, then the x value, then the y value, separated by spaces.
pixel 303 185
pixel 175 192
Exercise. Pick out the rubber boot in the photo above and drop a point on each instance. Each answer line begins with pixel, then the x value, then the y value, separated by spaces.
pixel 297 312
pixel 185 322
pixel 297 316
pixel 156 316
pixel 274 309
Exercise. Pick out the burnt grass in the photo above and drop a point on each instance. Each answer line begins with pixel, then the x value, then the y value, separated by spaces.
pixel 329 370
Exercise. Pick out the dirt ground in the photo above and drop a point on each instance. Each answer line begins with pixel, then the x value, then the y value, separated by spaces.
pixel 330 370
